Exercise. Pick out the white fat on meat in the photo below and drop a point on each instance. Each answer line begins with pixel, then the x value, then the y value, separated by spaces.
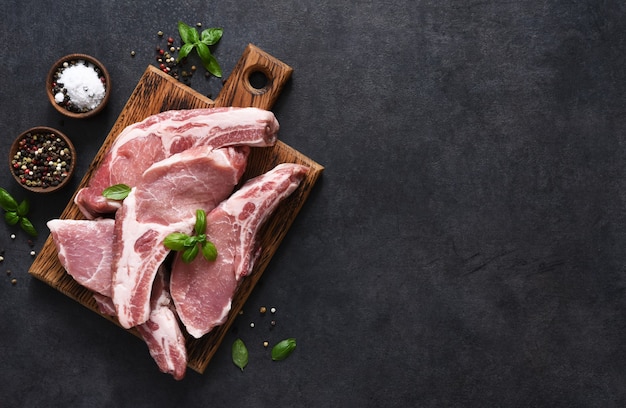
pixel 202 291
pixel 162 135
pixel 165 201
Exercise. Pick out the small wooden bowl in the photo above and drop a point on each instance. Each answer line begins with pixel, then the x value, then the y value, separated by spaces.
pixel 80 109
pixel 38 168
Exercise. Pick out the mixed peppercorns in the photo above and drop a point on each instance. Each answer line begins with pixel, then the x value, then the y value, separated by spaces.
pixel 42 160
pixel 263 311
pixel 167 61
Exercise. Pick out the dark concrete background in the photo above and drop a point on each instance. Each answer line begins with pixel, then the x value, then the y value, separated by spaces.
pixel 464 247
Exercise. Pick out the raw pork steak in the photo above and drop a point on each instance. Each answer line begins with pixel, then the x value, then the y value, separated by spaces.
pixel 202 291
pixel 84 250
pixel 83 254
pixel 162 333
pixel 159 136
pixel 164 201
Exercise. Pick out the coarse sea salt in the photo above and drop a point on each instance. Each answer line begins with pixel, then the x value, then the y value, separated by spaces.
pixel 82 85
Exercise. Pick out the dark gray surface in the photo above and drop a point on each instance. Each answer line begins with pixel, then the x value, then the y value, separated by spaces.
pixel 464 247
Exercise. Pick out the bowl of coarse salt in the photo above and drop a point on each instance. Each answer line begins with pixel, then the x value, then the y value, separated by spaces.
pixel 78 85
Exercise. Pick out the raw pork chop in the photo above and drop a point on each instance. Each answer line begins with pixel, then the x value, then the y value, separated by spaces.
pixel 162 333
pixel 163 202
pixel 159 136
pixel 84 250
pixel 202 291
pixel 79 251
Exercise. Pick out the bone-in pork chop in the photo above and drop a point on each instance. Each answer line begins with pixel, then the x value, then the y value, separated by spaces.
pixel 164 201
pixel 202 291
pixel 159 136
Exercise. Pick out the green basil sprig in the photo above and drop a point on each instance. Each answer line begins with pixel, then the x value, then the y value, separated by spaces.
pixel 239 354
pixel 16 213
pixel 116 192
pixel 191 245
pixel 283 349
pixel 191 40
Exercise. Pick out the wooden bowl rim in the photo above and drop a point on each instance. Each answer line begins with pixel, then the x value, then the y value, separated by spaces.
pixel 74 57
pixel 42 129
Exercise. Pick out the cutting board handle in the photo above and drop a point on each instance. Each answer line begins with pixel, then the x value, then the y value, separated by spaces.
pixel 256 81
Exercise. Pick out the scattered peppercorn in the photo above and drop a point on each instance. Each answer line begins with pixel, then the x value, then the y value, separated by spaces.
pixel 166 61
pixel 8 272
pixel 42 160
pixel 252 324
pixel 266 343
pixel 32 253
pixel 263 309
pixel 273 323
pixel 132 53
pixel 160 33
pixel 13 281
pixel 12 236
pixel 1 258
pixel 273 310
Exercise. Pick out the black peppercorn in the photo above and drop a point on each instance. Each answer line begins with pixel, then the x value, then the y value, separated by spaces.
pixel 42 160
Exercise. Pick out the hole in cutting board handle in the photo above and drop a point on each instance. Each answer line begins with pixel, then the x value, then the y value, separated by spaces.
pixel 258 80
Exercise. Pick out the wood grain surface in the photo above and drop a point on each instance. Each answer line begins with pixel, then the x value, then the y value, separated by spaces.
pixel 157 92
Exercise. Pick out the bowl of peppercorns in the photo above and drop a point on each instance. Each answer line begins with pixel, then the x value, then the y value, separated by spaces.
pixel 42 159
pixel 78 85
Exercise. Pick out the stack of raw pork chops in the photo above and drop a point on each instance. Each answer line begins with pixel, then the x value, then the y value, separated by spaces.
pixel 175 163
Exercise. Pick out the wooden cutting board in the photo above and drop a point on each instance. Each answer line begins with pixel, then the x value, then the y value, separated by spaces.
pixel 157 92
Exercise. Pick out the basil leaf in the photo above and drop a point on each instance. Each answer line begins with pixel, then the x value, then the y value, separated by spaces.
pixel 283 349
pixel 188 34
pixel 209 252
pixel 200 222
pixel 190 254
pixel 22 208
pixel 28 226
pixel 175 241
pixel 116 192
pixel 7 202
pixel 212 66
pixel 191 245
pixel 185 49
pixel 11 217
pixel 203 52
pixel 239 354
pixel 211 36
pixel 190 241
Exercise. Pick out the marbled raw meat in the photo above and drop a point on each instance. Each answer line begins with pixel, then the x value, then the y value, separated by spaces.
pixel 161 331
pixel 202 291
pixel 84 250
pixel 164 201
pixel 161 135
pixel 84 246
